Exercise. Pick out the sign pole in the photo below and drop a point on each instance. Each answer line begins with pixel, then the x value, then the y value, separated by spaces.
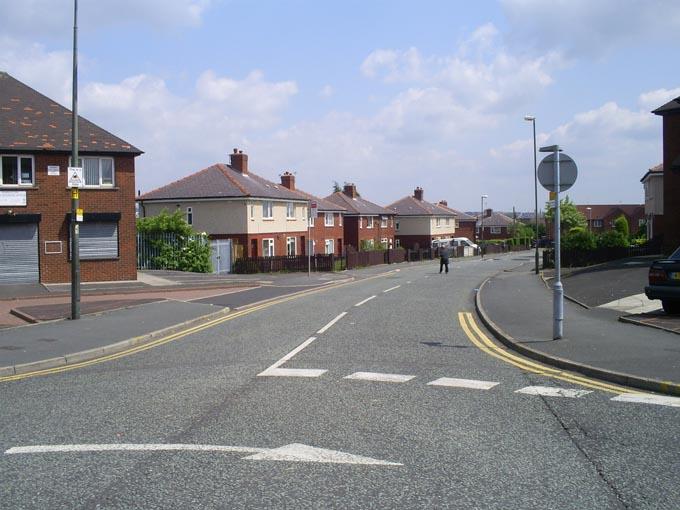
pixel 558 291
pixel 75 198
pixel 309 240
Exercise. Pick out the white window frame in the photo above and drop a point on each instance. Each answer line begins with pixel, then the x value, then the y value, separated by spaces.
pixel 340 219
pixel 289 243
pixel 448 222
pixel 598 223
pixel 361 222
pixel 641 221
pixel 290 211
pixel 397 242
pixel 190 215
pixel 437 222
pixel 369 222
pixel 311 220
pixel 383 222
pixel 268 251
pixel 327 222
pixel 267 210
pixel 329 246
pixel 252 212
pixel 19 182
pixel 494 230
pixel 99 159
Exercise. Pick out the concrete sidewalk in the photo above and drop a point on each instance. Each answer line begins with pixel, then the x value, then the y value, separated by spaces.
pixel 517 308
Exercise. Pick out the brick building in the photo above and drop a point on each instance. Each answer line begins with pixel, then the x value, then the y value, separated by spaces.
pixel 466 225
pixel 600 218
pixel 670 112
pixel 496 226
pixel 35 201
pixel 652 182
pixel 365 224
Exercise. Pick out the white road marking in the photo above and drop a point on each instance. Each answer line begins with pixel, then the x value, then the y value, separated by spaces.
pixel 391 289
pixel 275 366
pixel 463 383
pixel 325 328
pixel 408 282
pixel 303 453
pixel 292 372
pixel 365 301
pixel 294 452
pixel 549 391
pixel 375 376
pixel 660 400
pixel 639 303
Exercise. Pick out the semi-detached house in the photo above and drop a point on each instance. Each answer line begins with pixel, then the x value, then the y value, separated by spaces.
pixel 261 218
pixel 35 200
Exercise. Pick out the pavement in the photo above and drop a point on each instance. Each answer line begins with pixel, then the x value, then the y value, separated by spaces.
pixel 516 306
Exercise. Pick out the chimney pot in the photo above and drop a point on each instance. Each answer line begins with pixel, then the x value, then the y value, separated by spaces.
pixel 487 212
pixel 239 162
pixel 444 203
pixel 235 150
pixel 418 194
pixel 288 180
pixel 350 190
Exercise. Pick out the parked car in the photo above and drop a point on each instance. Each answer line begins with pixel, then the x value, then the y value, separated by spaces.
pixel 664 282
pixel 463 241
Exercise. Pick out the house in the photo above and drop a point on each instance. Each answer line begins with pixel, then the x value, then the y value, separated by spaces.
pixel 326 229
pixel 35 200
pixel 600 218
pixel 670 112
pixel 261 218
pixel 653 187
pixel 365 224
pixel 466 225
pixel 495 226
pixel 418 223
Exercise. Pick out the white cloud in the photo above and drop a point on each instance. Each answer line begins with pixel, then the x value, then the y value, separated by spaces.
pixel 655 98
pixel 394 66
pixel 327 91
pixel 584 27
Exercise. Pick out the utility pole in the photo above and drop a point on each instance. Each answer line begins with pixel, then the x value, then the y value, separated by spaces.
pixel 75 193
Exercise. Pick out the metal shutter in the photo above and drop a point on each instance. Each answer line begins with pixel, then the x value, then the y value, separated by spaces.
pixel 19 253
pixel 99 240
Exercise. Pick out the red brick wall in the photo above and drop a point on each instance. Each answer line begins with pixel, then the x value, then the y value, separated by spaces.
pixel 504 234
pixel 52 199
pixel 467 229
pixel 320 232
pixel 671 183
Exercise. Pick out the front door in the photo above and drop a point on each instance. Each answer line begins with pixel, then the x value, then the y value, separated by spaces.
pixel 253 247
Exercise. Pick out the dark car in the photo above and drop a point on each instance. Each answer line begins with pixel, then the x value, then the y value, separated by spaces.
pixel 664 282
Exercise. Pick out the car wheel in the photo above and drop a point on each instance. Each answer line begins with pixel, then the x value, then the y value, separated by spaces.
pixel 671 306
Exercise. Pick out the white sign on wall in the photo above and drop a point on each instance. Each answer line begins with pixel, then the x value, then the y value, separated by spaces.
pixel 12 198
pixel 52 169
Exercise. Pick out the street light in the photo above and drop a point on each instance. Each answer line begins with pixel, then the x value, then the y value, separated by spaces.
pixel 590 219
pixel 532 119
pixel 481 227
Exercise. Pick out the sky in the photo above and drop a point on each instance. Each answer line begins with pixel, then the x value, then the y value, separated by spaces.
pixel 387 94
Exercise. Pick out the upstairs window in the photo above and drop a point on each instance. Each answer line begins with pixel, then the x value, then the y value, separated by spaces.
pixel 383 222
pixel 290 210
pixel 495 230
pixel 329 219
pixel 16 170
pixel 267 210
pixel 369 222
pixel 97 172
pixel 190 216
pixel 438 222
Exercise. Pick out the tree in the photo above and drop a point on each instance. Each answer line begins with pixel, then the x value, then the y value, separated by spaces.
pixel 570 216
pixel 621 225
pixel 579 238
pixel 165 222
pixel 336 187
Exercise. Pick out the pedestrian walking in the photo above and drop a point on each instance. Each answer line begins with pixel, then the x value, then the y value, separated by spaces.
pixel 444 254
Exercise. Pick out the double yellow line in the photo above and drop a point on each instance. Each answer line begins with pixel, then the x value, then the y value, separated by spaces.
pixel 481 341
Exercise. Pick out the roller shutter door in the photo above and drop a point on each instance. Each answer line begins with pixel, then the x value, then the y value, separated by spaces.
pixel 19 253
pixel 99 240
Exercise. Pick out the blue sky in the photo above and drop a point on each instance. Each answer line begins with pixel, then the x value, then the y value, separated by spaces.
pixel 387 94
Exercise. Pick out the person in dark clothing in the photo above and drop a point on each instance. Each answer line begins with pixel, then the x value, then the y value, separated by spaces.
pixel 444 254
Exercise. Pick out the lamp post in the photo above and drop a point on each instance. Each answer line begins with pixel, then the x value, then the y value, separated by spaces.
pixel 590 219
pixel 532 119
pixel 75 194
pixel 481 227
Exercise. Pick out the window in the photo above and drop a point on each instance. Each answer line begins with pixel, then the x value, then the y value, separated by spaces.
pixel 290 246
pixel 16 170
pixel 438 222
pixel 385 242
pixel 98 240
pixel 641 222
pixel 383 221
pixel 369 222
pixel 329 220
pixel 267 210
pixel 190 216
pixel 267 247
pixel 97 172
pixel 495 230
pixel 252 212
pixel 340 219
pixel 397 242
pixel 597 223
pixel 448 222
pixel 290 210
pixel 311 220
pixel 361 222
pixel 330 247
pixel 396 225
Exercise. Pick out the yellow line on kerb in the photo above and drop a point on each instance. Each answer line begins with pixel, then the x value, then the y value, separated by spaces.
pixel 180 334
pixel 480 340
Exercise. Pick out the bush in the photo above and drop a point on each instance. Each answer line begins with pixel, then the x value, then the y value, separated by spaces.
pixel 621 225
pixel 579 238
pixel 612 239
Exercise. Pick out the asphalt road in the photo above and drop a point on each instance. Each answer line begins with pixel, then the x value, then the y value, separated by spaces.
pixel 428 446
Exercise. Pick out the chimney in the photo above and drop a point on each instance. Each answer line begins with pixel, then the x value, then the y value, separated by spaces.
pixel 239 161
pixel 444 203
pixel 418 194
pixel 487 212
pixel 351 190
pixel 288 180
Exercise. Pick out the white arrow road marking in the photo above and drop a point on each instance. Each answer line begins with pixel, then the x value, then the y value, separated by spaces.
pixel 463 383
pixel 660 400
pixel 294 452
pixel 374 376
pixel 365 301
pixel 275 371
pixel 549 391
pixel 391 289
pixel 327 326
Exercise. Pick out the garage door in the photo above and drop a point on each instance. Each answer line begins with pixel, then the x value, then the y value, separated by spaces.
pixel 19 253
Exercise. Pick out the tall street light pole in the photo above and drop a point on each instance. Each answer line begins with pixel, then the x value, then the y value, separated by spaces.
pixel 75 196
pixel 532 119
pixel 590 218
pixel 481 226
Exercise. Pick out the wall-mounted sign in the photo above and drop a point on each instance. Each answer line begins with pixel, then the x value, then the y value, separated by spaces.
pixel 75 176
pixel 79 215
pixel 12 198
pixel 52 169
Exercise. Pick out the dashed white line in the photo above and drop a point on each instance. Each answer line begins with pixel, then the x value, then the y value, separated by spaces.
pixel 463 383
pixel 365 300
pixel 327 326
pixel 292 372
pixel 660 400
pixel 379 377
pixel 549 391
pixel 67 448
pixel 391 289
pixel 275 367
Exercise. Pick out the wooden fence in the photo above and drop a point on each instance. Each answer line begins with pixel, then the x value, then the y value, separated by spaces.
pixel 293 263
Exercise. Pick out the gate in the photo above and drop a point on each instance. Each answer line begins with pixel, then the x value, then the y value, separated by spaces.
pixel 221 255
